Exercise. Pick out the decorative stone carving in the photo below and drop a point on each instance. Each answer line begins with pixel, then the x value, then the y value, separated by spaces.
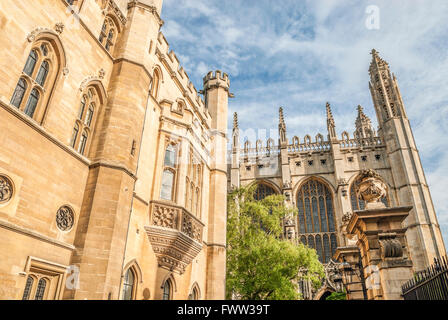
pixel 175 236
pixel 32 36
pixel 59 27
pixel 6 189
pixel 164 217
pixel 65 218
pixel 101 73
pixel 371 188
pixel 390 246
pixel 346 217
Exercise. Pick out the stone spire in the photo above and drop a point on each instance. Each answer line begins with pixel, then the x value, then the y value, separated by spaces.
pixel 363 125
pixel 384 89
pixel 282 128
pixel 330 122
pixel 235 121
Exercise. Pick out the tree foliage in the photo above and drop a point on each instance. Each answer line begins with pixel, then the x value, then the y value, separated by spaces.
pixel 260 264
pixel 337 296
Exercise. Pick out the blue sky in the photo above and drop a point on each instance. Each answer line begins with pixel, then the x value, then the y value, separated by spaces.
pixel 300 54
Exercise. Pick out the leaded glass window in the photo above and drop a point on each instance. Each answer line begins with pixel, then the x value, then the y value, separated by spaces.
pixel 30 63
pixel 128 285
pixel 167 290
pixel 316 218
pixel 42 284
pixel 19 92
pixel 32 103
pixel 262 191
pixel 28 287
pixel 43 73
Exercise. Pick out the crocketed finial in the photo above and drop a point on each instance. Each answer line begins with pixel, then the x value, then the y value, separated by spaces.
pixel 281 117
pixel 330 118
pixel 235 120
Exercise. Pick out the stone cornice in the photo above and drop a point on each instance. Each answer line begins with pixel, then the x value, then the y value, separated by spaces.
pixel 113 166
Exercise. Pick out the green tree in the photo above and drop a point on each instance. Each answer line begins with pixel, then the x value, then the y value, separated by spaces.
pixel 337 296
pixel 260 264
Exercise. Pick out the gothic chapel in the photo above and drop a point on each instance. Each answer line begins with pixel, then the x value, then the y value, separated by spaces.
pixel 113 166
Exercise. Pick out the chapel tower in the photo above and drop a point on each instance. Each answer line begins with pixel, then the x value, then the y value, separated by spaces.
pixel 424 235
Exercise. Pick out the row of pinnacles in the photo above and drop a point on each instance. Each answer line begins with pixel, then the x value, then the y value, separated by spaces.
pixel 364 136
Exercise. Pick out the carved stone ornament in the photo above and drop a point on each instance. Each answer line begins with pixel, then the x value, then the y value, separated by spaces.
pixel 65 218
pixel 6 189
pixel 390 246
pixel 371 188
pixel 59 27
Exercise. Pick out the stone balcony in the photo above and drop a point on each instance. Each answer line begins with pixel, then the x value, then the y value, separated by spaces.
pixel 175 235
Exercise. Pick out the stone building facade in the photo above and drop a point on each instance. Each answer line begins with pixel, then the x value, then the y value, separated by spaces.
pixel 112 166
pixel 320 176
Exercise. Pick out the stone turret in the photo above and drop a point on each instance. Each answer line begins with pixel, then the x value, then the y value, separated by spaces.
pixel 216 93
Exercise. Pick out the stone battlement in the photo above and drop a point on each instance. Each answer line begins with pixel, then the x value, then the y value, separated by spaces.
pixel 177 72
pixel 217 75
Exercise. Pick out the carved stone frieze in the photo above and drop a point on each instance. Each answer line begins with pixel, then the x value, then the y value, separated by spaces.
pixel 175 235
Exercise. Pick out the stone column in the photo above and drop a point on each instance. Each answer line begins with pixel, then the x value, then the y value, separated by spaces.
pixel 351 272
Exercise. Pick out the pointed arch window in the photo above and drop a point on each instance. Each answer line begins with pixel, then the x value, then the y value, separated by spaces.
pixel 262 191
pixel 39 75
pixel 194 295
pixel 167 290
pixel 128 285
pixel 30 63
pixel 32 103
pixel 89 108
pixel 41 286
pixel 316 219
pixel 108 34
pixel 19 92
pixel 28 287
pixel 43 73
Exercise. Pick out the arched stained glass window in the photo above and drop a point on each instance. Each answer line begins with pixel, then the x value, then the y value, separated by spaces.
pixel 262 191
pixel 128 285
pixel 316 218
pixel 83 142
pixel 359 204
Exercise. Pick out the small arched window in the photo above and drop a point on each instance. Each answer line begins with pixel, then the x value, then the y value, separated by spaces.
pixel 262 191
pixel 108 34
pixel 43 73
pixel 83 142
pixel 40 291
pixel 32 103
pixel 316 218
pixel 85 122
pixel 28 287
pixel 30 63
pixel 19 92
pixel 194 295
pixel 128 285
pixel 167 289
